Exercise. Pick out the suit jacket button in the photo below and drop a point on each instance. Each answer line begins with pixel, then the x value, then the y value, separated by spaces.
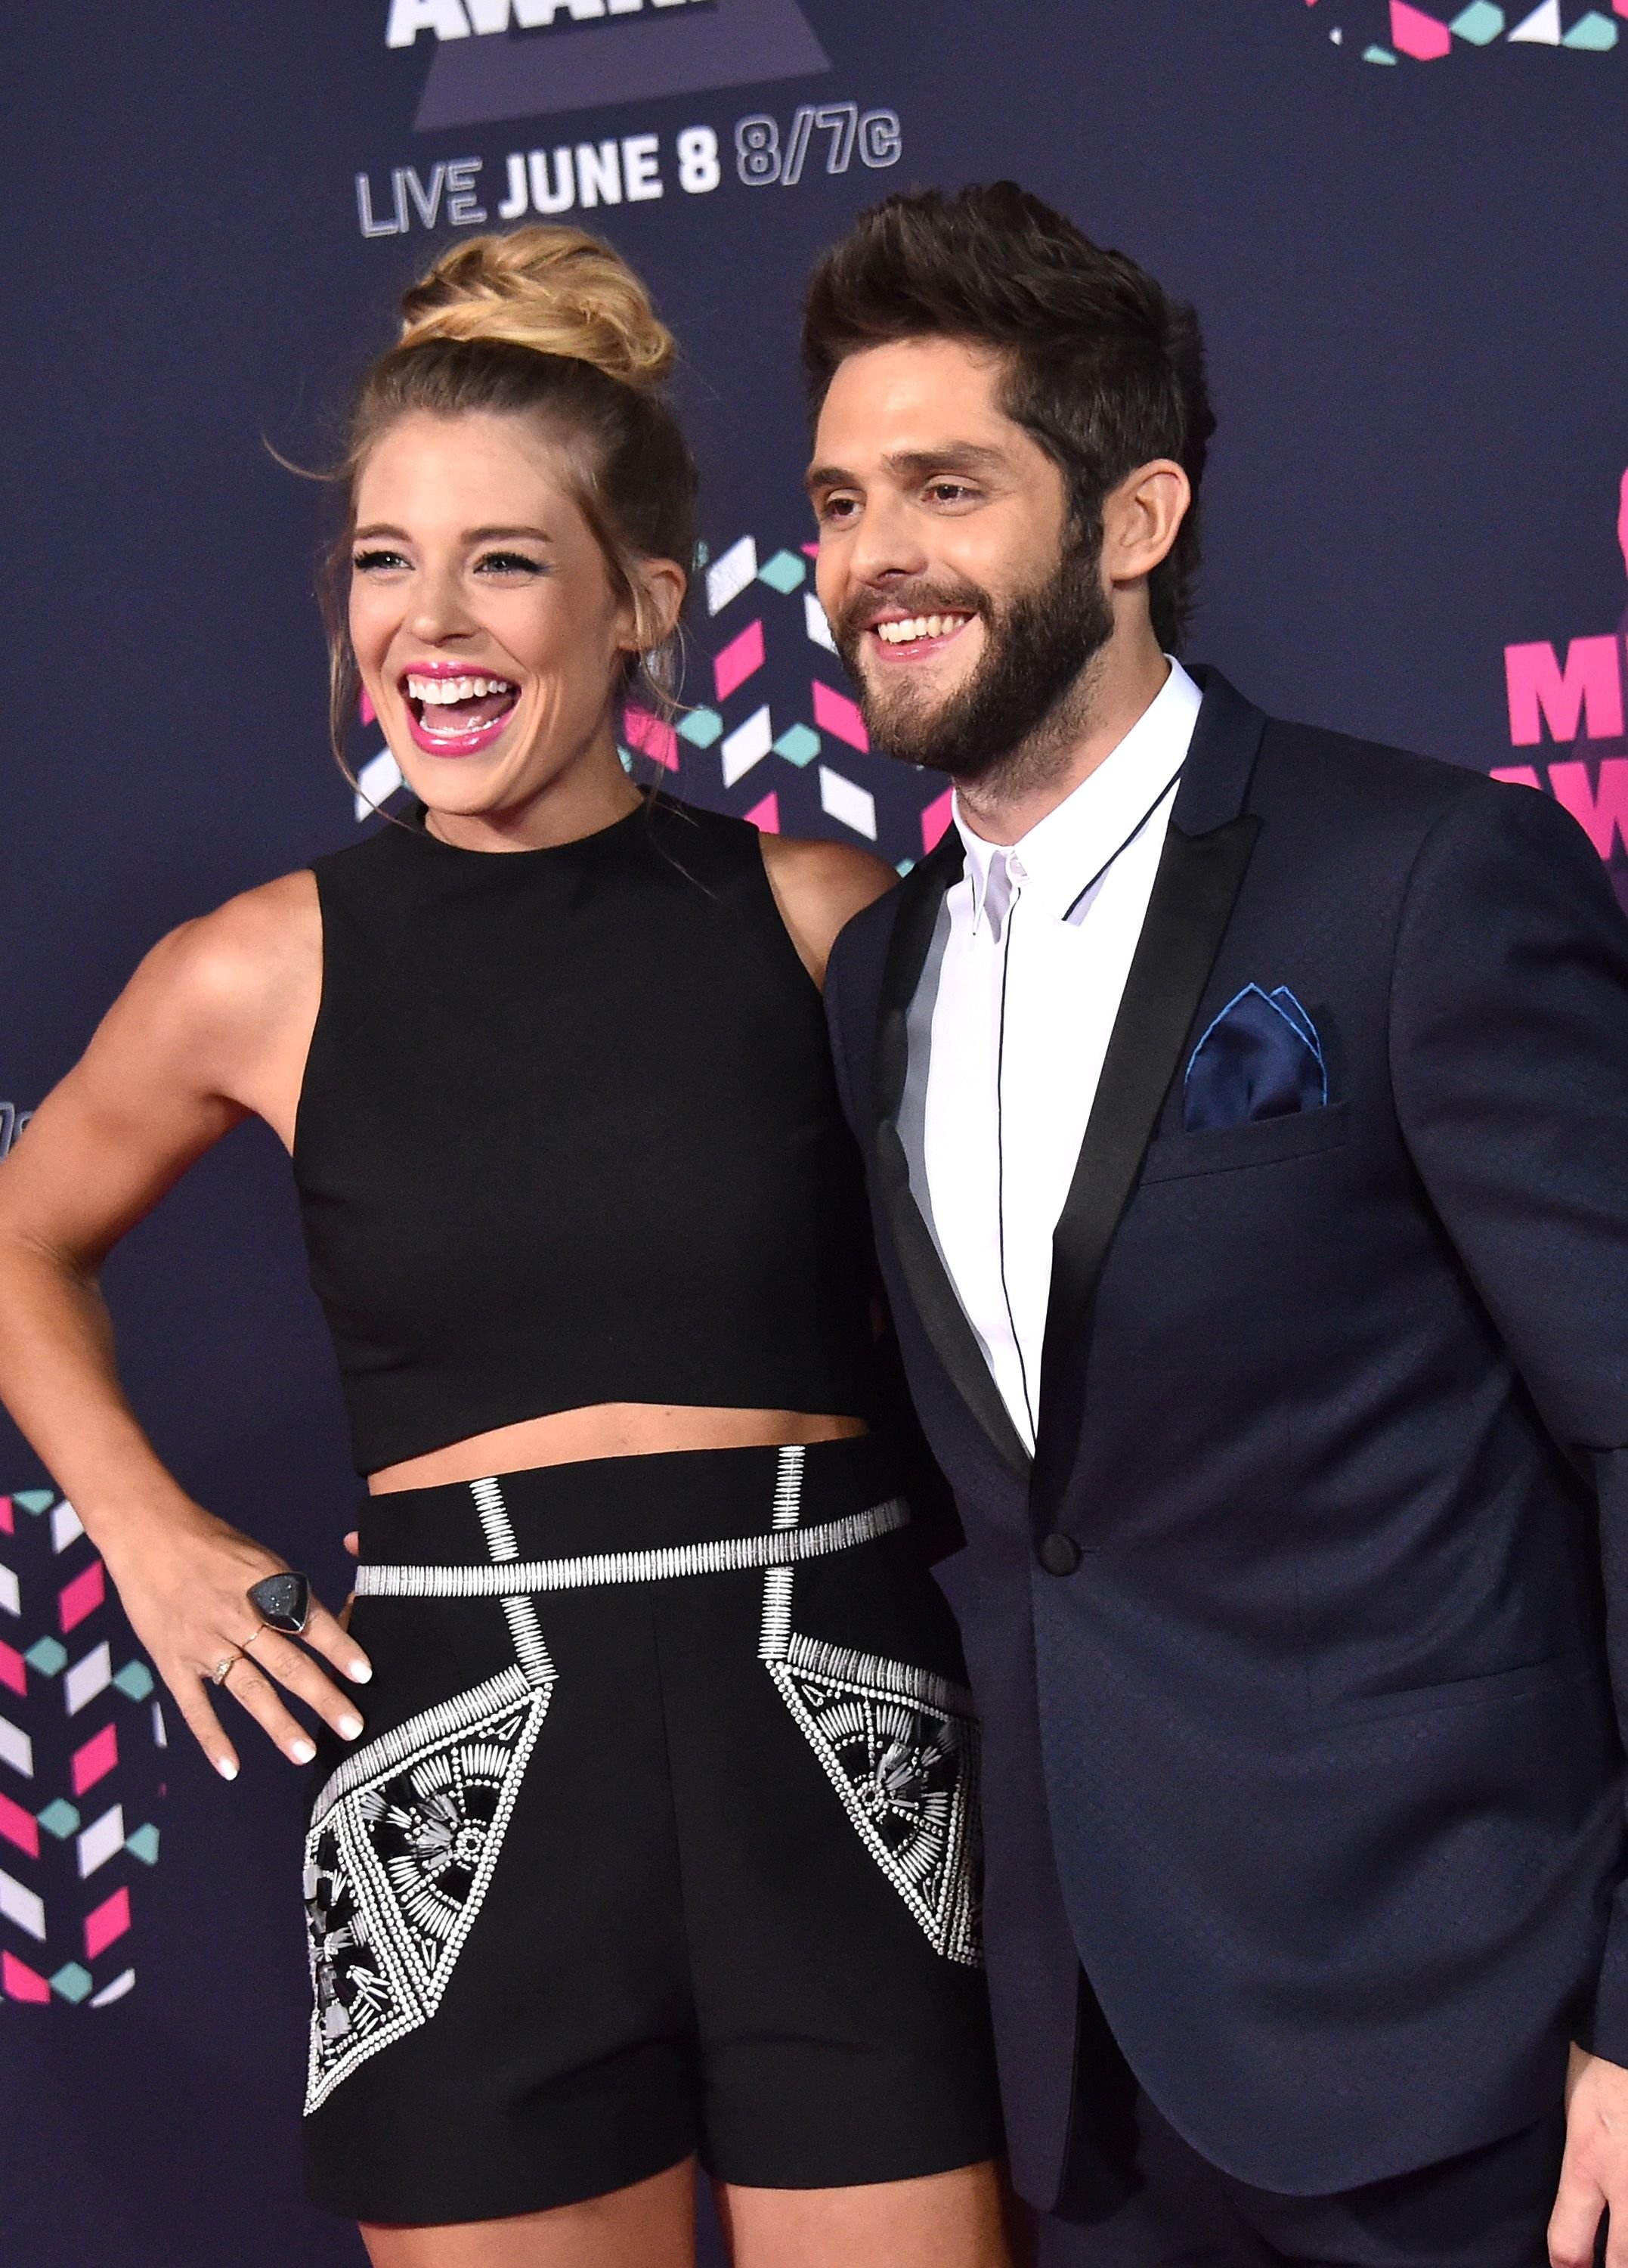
pixel 1060 1555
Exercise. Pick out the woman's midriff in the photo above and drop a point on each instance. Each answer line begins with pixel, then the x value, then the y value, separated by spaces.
pixel 609 1429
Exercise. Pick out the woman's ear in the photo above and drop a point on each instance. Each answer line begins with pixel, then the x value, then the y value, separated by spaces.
pixel 658 602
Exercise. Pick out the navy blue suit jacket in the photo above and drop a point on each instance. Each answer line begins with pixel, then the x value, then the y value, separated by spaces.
pixel 1312 1761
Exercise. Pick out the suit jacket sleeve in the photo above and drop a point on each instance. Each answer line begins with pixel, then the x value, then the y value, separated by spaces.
pixel 1509 1064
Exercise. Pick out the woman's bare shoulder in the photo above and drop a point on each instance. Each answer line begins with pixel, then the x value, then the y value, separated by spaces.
pixel 248 955
pixel 819 888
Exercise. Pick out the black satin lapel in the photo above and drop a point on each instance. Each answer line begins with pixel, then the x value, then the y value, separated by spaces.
pixel 1197 885
pixel 922 896
pixel 941 1312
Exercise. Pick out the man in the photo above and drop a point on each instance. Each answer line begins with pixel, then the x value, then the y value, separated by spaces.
pixel 1247 1116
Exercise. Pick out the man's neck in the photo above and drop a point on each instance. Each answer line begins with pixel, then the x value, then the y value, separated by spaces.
pixel 1120 684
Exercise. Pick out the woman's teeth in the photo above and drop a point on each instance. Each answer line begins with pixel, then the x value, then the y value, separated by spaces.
pixel 921 626
pixel 442 692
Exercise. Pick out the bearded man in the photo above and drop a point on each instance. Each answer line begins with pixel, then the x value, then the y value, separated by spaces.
pixel 1246 1111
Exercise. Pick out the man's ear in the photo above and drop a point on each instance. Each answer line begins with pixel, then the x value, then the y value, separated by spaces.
pixel 1142 518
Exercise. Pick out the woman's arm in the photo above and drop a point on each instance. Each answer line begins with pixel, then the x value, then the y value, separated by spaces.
pixel 214 1025
pixel 819 888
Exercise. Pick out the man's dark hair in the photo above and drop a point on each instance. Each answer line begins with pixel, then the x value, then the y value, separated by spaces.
pixel 1105 369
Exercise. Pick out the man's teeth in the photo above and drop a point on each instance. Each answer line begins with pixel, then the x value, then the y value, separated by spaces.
pixel 444 691
pixel 921 626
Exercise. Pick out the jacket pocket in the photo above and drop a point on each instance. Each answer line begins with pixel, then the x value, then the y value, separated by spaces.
pixel 1267 1141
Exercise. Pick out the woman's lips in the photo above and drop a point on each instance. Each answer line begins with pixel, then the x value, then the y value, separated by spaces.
pixel 469 742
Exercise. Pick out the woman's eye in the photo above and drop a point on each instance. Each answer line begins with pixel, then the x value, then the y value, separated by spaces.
pixel 508 563
pixel 365 563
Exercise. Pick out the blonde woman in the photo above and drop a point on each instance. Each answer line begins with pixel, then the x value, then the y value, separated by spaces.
pixel 642 1811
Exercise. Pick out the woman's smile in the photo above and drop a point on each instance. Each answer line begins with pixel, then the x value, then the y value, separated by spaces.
pixel 454 711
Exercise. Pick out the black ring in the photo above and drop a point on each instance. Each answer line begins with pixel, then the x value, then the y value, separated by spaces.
pixel 283 1601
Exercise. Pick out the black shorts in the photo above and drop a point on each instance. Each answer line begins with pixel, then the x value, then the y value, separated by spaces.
pixel 653 1856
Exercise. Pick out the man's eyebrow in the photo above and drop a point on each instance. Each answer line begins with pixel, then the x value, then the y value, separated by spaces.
pixel 917 464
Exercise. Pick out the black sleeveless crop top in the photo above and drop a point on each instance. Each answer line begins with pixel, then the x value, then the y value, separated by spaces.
pixel 568 1133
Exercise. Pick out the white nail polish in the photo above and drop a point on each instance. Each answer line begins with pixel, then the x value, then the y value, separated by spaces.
pixel 227 1767
pixel 360 1672
pixel 302 1751
pixel 350 1727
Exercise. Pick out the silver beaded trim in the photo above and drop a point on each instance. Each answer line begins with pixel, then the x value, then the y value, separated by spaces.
pixel 517 1578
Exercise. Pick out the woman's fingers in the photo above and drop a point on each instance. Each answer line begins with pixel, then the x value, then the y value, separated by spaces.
pixel 250 1687
pixel 327 1635
pixel 191 1698
pixel 278 1657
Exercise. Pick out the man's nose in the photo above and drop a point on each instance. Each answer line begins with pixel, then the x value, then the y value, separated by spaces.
pixel 888 545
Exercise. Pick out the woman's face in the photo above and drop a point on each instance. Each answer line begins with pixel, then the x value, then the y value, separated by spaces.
pixel 485 625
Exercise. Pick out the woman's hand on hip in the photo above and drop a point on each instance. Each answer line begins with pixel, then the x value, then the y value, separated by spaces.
pixel 183 1579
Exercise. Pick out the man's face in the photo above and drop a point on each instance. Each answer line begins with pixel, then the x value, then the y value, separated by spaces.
pixel 964 611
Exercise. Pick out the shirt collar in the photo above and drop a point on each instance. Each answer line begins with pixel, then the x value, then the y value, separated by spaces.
pixel 1054 862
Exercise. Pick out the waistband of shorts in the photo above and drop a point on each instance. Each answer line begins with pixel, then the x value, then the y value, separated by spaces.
pixel 640 1518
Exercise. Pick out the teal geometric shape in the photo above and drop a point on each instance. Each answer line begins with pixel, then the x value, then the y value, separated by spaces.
pixel 1480 23
pixel 46 1656
pixel 1377 55
pixel 703 554
pixel 784 573
pixel 1593 33
pixel 143 1845
pixel 60 1819
pixel 905 865
pixel 624 756
pixel 799 744
pixel 701 727
pixel 72 1982
pixel 135 1680
pixel 35 1500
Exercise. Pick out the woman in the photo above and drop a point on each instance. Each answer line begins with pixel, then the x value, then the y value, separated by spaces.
pixel 656 1840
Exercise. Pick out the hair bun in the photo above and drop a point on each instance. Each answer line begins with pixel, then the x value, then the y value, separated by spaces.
pixel 558 290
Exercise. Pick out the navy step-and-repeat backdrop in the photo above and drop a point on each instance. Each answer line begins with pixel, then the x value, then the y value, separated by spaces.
pixel 1405 227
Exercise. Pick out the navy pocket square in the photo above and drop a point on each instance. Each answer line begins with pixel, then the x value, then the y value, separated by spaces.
pixel 1260 1058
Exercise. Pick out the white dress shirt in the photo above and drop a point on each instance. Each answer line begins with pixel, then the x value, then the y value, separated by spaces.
pixel 1010 1024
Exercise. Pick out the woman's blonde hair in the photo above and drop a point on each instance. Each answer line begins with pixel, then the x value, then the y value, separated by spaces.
pixel 549 324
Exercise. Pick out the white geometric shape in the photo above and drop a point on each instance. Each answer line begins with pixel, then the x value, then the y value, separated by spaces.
pixel 747 745
pixel 16 1748
pixel 101 1839
pixel 844 800
pixel 11 1592
pixel 66 1526
pixel 123 1983
pixel 377 782
pixel 729 573
pixel 818 625
pixel 88 1678
pixel 160 1737
pixel 1542 28
pixel 25 1907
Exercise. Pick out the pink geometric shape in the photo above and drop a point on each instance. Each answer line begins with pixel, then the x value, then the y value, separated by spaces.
pixel 13 1670
pixel 834 712
pixel 1423 37
pixel 82 1596
pixel 651 736
pixel 1521 775
pixel 8 1517
pixel 364 706
pixel 1619 7
pixel 811 550
pixel 96 1758
pixel 20 1826
pixel 21 1982
pixel 935 820
pixel 735 664
pixel 106 1922
pixel 765 815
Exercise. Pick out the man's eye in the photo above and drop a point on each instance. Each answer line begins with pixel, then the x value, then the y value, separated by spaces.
pixel 508 563
pixel 839 507
pixel 366 563
pixel 950 491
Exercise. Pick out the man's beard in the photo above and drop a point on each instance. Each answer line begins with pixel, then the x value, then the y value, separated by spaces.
pixel 1013 720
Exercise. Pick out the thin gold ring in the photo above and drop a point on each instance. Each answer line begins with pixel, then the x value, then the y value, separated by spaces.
pixel 223 1669
pixel 257 1631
